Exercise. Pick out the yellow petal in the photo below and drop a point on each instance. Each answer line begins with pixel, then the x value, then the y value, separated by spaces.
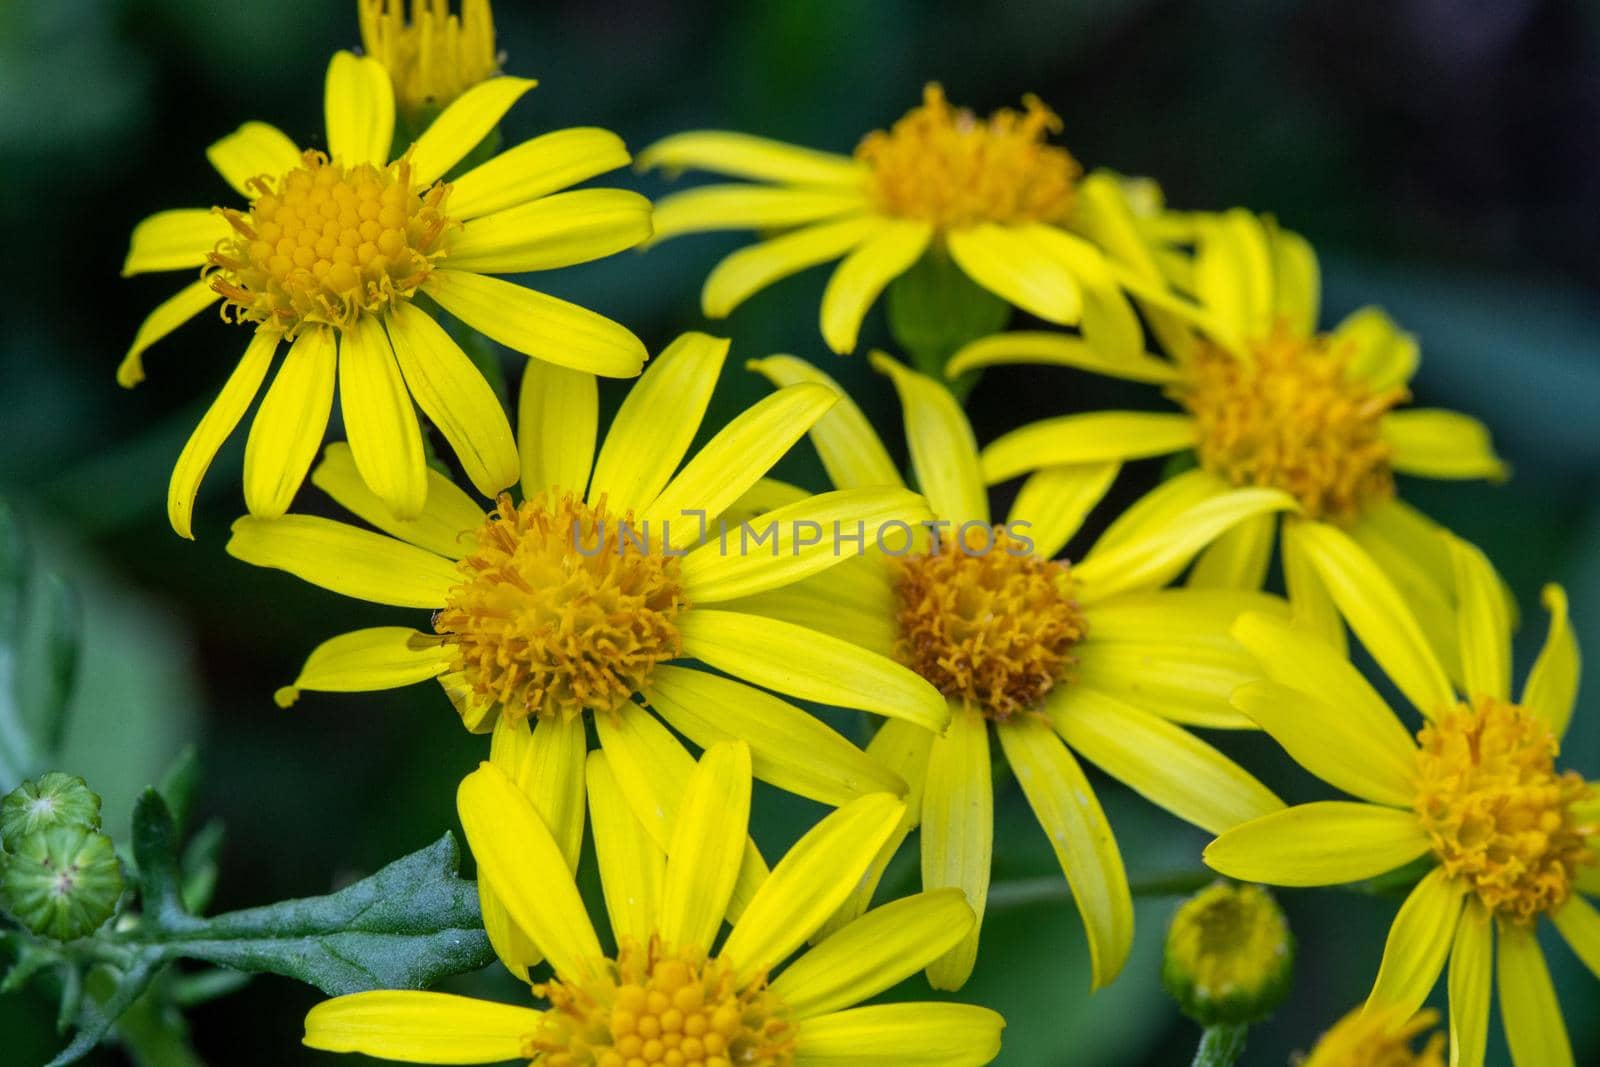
pixel 537 167
pixel 958 832
pixel 1379 616
pixel 632 865
pixel 358 104
pixel 900 1035
pixel 1431 599
pixel 420 1027
pixel 552 231
pixel 1233 273
pixel 1418 944
pixel 1579 923
pixel 790 749
pixel 1108 322
pixel 1065 805
pixel 516 952
pixel 288 427
pixel 238 392
pixel 456 399
pixel 850 449
pixel 1057 350
pixel 1471 972
pixel 749 270
pixel 809 665
pixel 1095 437
pixel 862 613
pixel 656 423
pixel 862 276
pixel 1163 763
pixel 742 156
pixel 1004 261
pixel 173 240
pixel 546 763
pixel 1239 558
pixel 1161 506
pixel 1311 604
pixel 707 845
pixel 1053 502
pixel 741 206
pixel 1297 292
pixel 1380 353
pixel 810 882
pixel 385 442
pixel 445 525
pixel 944 454
pixel 382 657
pixel 168 315
pixel 1529 1011
pixel 1551 690
pixel 1107 218
pixel 1485 631
pixel 1328 842
pixel 537 325
pixel 876 951
pixel 466 121
pixel 253 150
pixel 558 415
pixel 1433 443
pixel 355 563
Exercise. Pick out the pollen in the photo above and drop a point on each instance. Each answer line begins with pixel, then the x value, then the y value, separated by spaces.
pixel 658 1008
pixel 436 56
pixel 1501 819
pixel 561 609
pixel 985 621
pixel 1380 1037
pixel 950 168
pixel 326 244
pixel 1290 417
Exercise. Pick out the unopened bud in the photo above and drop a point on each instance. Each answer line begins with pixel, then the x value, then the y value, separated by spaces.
pixel 62 882
pixel 54 799
pixel 1229 955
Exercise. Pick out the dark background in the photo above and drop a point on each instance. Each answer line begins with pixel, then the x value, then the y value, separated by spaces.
pixel 1443 157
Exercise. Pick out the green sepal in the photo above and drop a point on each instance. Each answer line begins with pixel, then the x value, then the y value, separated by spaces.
pixel 934 309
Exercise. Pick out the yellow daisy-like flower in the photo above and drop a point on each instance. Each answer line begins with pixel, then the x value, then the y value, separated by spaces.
pixel 1509 838
pixel 433 57
pixel 1268 401
pixel 1052 657
pixel 1013 211
pixel 576 601
pixel 663 998
pixel 1379 1037
pixel 329 257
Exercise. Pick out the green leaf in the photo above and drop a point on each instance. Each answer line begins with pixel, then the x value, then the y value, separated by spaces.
pixel 179 785
pixel 155 850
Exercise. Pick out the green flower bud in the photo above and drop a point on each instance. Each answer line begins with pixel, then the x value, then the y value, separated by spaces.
pixel 1230 955
pixel 55 799
pixel 62 882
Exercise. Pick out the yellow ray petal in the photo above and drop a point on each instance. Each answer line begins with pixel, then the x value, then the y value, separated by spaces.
pixel 809 665
pixel 1297 289
pixel 958 832
pixel 288 427
pixel 810 882
pixel 538 325
pixel 1108 322
pixel 1432 602
pixel 558 415
pixel 741 206
pixel 788 748
pixel 1433 443
pixel 356 563
pixel 358 106
pixel 656 422
pixel 1161 506
pixel 382 657
pixel 237 394
pixel 519 858
pixel 173 240
pixel 1239 558
pixel 1058 350
pixel 850 449
pixel 1163 763
pixel 1529 1011
pixel 553 231
pixel 385 442
pixel 1579 923
pixel 1091 438
pixel 707 845
pixel 811 604
pixel 456 399
pixel 1004 261
pixel 1233 273
pixel 862 276
pixel 1324 843
pixel 538 167
pixel 444 526
pixel 632 866
pixel 1418 944
pixel 749 270
pixel 944 454
pixel 1053 502
pixel 546 763
pixel 1471 972
pixel 420 1027
pixel 1311 604
pixel 900 1035
pixel 253 150
pixel 460 126
pixel 1551 690
pixel 743 156
pixel 168 315
pixel 1485 630
pixel 1065 804
pixel 1381 354
pixel 516 952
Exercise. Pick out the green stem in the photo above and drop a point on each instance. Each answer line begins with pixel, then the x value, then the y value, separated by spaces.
pixel 1220 1045
pixel 1048 889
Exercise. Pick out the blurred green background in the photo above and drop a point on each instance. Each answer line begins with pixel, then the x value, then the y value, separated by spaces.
pixel 1444 158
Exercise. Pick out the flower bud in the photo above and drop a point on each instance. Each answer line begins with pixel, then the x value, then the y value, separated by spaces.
pixel 62 882
pixel 54 799
pixel 1229 955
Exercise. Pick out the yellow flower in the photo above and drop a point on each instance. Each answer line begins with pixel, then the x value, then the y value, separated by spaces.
pixel 1054 657
pixel 663 997
pixel 332 251
pixel 1268 401
pixel 1379 1037
pixel 433 58
pixel 1012 211
pixel 1508 837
